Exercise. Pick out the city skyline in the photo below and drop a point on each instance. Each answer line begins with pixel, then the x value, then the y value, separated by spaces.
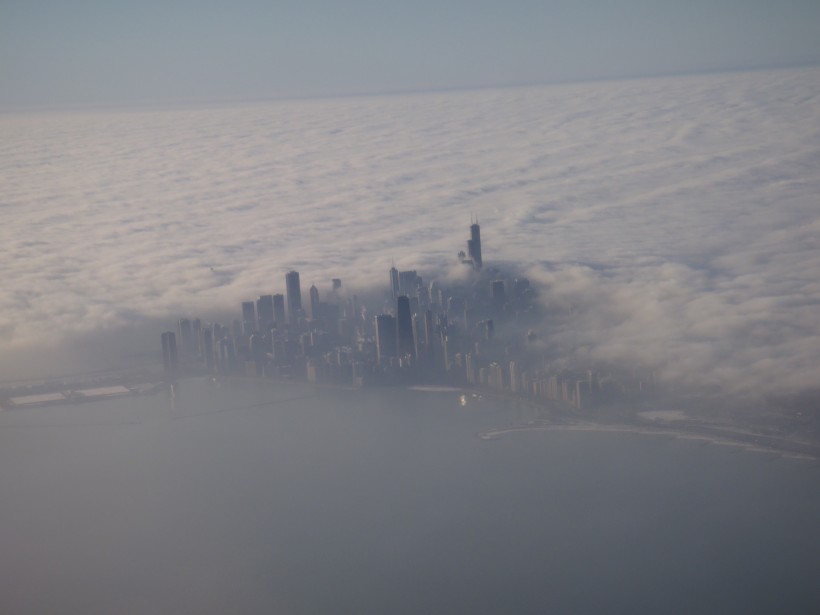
pixel 678 212
pixel 433 307
pixel 425 334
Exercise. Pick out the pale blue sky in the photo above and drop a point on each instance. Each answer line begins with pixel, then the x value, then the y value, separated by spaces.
pixel 60 52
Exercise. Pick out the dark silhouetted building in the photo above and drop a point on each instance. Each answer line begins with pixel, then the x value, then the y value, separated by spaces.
pixel 294 291
pixel 279 310
pixel 404 327
pixel 408 281
pixel 385 337
pixel 314 302
pixel 248 318
pixel 394 282
pixel 474 245
pixel 264 312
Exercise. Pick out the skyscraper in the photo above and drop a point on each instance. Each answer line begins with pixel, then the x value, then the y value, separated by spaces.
pixel 264 312
pixel 474 245
pixel 248 318
pixel 186 337
pixel 394 281
pixel 404 327
pixel 385 337
pixel 407 282
pixel 314 302
pixel 207 338
pixel 169 352
pixel 294 291
pixel 279 310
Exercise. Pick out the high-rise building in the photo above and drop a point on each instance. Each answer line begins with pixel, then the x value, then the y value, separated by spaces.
pixel 408 281
pixel 169 352
pixel 385 337
pixel 186 337
pixel 207 338
pixel 470 367
pixel 264 312
pixel 404 327
pixel 279 310
pixel 314 302
pixel 474 245
pixel 394 282
pixel 248 318
pixel 428 335
pixel 515 376
pixel 294 292
pixel 195 336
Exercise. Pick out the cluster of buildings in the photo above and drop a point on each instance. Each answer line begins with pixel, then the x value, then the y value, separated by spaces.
pixel 469 333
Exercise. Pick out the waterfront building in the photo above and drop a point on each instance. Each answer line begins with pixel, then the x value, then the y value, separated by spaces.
pixel 186 337
pixel 515 377
pixel 207 343
pixel 470 368
pixel 169 352
pixel 445 351
pixel 196 346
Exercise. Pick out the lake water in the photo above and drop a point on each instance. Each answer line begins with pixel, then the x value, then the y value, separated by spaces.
pixel 282 498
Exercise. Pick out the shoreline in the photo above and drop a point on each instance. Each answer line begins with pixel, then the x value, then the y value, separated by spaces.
pixel 646 430
pixel 726 436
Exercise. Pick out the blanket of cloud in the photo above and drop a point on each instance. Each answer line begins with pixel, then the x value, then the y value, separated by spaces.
pixel 676 219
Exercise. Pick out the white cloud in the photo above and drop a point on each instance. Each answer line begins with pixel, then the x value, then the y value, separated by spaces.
pixel 679 214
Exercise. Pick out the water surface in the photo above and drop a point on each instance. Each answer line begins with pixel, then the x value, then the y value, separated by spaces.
pixel 262 497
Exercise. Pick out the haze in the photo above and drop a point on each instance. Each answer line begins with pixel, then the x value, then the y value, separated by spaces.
pixel 55 53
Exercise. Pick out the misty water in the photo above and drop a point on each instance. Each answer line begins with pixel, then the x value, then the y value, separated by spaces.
pixel 282 498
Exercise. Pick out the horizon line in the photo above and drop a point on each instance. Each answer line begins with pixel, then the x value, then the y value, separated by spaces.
pixel 171 104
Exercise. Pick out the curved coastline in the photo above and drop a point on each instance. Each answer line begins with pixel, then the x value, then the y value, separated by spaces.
pixel 645 430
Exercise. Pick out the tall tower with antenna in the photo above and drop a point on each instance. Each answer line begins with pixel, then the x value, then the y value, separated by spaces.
pixel 474 243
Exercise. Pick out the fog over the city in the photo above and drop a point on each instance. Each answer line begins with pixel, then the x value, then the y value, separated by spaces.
pixel 674 220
